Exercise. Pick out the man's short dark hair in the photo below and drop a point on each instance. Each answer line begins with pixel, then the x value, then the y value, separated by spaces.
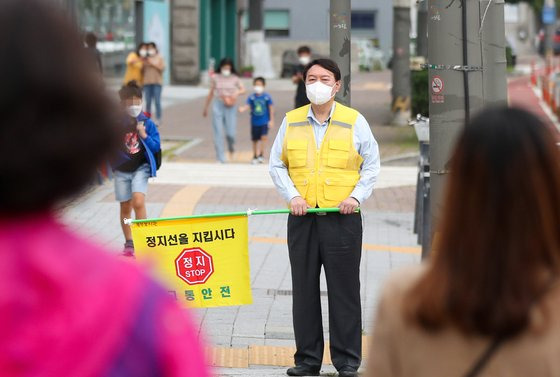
pixel 58 122
pixel 328 64
pixel 261 79
pixel 303 50
pixel 130 90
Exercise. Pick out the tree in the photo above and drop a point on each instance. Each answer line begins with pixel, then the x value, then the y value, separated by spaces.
pixel 96 7
pixel 536 4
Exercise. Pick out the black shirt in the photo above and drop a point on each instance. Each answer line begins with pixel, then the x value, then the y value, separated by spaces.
pixel 133 148
pixel 301 95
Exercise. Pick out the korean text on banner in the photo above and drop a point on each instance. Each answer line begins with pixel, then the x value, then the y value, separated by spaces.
pixel 203 262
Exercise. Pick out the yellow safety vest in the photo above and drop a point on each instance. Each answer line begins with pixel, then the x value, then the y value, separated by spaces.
pixel 326 176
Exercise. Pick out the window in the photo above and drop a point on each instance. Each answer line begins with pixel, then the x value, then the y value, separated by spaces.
pixel 363 20
pixel 276 23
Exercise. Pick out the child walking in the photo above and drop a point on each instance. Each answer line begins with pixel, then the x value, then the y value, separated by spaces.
pixel 137 160
pixel 262 118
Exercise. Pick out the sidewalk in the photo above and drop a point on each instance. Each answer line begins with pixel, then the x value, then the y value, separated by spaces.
pixel 183 120
pixel 258 339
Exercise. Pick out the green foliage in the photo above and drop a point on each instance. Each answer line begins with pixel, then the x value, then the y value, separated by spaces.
pixel 509 57
pixel 536 4
pixel 420 92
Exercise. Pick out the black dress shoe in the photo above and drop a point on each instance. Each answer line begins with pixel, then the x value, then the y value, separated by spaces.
pixel 301 370
pixel 348 372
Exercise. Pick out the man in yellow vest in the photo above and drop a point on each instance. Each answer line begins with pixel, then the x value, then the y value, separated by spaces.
pixel 325 156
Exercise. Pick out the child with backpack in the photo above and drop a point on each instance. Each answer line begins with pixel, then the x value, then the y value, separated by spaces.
pixel 262 118
pixel 138 160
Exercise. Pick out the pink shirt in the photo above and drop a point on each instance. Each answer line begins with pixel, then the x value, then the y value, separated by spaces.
pixel 225 86
pixel 68 308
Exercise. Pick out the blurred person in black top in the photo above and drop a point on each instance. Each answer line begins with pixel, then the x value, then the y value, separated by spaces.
pixel 304 55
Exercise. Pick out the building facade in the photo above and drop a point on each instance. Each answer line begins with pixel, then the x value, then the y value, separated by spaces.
pixel 289 23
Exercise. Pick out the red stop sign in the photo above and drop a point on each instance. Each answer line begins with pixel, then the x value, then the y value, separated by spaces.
pixel 194 266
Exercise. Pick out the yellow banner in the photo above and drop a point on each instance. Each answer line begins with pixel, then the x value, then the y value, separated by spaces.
pixel 203 262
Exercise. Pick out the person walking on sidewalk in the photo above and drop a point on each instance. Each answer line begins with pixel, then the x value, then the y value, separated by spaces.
pixel 141 142
pixel 304 56
pixel 154 66
pixel 487 302
pixel 135 65
pixel 325 156
pixel 226 87
pixel 262 118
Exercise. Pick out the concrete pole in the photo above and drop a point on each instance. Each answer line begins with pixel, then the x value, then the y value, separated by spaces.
pixel 400 104
pixel 422 29
pixel 463 77
pixel 549 31
pixel 340 45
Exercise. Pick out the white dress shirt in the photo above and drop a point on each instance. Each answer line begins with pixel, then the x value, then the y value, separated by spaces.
pixel 364 142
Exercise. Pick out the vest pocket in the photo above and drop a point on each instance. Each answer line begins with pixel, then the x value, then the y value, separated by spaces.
pixel 297 153
pixel 302 185
pixel 338 154
pixel 338 189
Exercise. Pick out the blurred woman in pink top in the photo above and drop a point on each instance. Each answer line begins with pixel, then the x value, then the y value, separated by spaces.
pixel 67 308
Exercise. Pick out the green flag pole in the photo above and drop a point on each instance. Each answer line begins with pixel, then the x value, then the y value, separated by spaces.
pixel 232 214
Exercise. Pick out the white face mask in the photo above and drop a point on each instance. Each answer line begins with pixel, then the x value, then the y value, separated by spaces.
pixel 304 60
pixel 134 110
pixel 319 93
pixel 258 89
pixel 226 72
pixel 143 53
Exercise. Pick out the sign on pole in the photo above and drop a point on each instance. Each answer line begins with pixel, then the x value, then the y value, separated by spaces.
pixel 548 15
pixel 203 262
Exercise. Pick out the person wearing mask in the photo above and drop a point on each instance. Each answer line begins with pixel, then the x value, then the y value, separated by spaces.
pixel 304 56
pixel 225 87
pixel 135 65
pixel 154 65
pixel 91 47
pixel 325 156
pixel 262 118
pixel 68 307
pixel 141 141
pixel 487 301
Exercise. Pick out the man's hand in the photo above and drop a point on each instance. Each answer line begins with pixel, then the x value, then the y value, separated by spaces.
pixel 348 206
pixel 298 206
pixel 270 124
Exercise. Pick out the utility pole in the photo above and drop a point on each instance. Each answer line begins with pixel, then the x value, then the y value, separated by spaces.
pixel 400 104
pixel 340 44
pixel 467 70
pixel 549 21
pixel 422 29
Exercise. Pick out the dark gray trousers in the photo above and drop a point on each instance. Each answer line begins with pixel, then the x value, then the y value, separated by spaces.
pixel 333 241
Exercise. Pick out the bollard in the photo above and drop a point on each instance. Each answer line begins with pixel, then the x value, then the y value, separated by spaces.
pixel 422 221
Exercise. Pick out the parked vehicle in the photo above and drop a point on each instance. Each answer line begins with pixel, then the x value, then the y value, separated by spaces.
pixel 370 58
pixel 540 42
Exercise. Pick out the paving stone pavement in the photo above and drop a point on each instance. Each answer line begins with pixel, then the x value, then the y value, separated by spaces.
pixel 387 219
